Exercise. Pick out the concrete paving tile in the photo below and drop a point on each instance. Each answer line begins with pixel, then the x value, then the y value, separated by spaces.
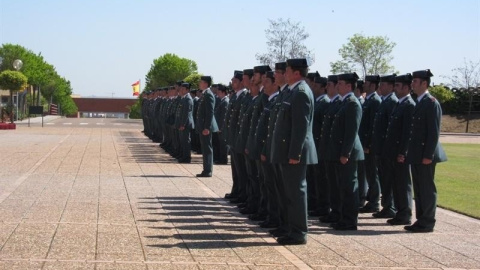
pixel 166 266
pixel 5 232
pixel 74 242
pixel 121 266
pixel 223 267
pixel 20 265
pixel 315 253
pixel 119 241
pixel 271 267
pixel 215 259
pixel 115 213
pixel 44 212
pixel 80 212
pixel 166 256
pixel 29 241
pixel 60 265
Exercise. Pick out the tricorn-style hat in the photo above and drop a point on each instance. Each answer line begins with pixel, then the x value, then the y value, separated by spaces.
pixel 270 75
pixel 388 78
pixel 406 78
pixel 349 77
pixel 179 83
pixel 261 69
pixel 332 78
pixel 299 62
pixel 313 75
pixel 207 79
pixel 281 66
pixel 249 72
pixel 321 80
pixel 372 78
pixel 238 74
pixel 186 85
pixel 422 74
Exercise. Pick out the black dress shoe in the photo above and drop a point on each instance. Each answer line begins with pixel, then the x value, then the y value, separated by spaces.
pixel 286 240
pixel 185 161
pixel 418 229
pixel 395 221
pixel 236 201
pixel 203 174
pixel 368 209
pixel 242 205
pixel 277 232
pixel 257 217
pixel 317 213
pixel 384 214
pixel 329 219
pixel 247 211
pixel 344 227
pixel 268 225
pixel 230 196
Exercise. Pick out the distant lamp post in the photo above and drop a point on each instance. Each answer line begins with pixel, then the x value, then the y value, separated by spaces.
pixel 17 65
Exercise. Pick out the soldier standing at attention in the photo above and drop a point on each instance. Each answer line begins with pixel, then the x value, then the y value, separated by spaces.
pixel 185 123
pixel 369 109
pixel 220 114
pixel 293 148
pixel 206 125
pixel 347 150
pixel 424 151
pixel 396 142
pixel 326 155
pixel 389 102
pixel 320 192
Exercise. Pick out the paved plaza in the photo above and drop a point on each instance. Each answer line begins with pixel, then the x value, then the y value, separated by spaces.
pixel 105 197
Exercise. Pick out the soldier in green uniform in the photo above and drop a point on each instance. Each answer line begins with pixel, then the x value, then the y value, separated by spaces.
pixel 424 152
pixel 293 148
pixel 369 110
pixel 347 150
pixel 389 102
pixel 205 125
pixel 251 116
pixel 327 157
pixel 231 126
pixel 275 172
pixel 185 123
pixel 260 136
pixel 396 141
pixel 319 184
pixel 220 114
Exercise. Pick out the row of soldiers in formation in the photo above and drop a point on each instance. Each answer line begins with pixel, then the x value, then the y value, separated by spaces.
pixel 301 144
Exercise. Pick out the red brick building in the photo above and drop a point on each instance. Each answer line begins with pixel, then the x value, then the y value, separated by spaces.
pixel 103 107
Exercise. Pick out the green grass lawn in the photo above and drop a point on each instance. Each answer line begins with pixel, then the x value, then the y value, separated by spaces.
pixel 458 179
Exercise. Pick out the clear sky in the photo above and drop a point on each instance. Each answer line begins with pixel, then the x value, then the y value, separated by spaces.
pixel 104 46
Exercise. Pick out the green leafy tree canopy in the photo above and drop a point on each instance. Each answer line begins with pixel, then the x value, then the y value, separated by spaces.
pixel 168 69
pixel 365 55
pixel 13 80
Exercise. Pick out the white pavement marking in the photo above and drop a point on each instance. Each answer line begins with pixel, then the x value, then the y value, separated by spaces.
pixel 117 124
pixel 83 123
pixel 49 123
pixel 11 188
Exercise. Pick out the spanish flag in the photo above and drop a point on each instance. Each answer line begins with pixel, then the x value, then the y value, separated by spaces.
pixel 136 88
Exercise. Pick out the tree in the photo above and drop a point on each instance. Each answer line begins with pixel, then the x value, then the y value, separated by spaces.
pixel 41 75
pixel 13 81
pixel 465 76
pixel 366 55
pixel 193 79
pixel 168 69
pixel 285 39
